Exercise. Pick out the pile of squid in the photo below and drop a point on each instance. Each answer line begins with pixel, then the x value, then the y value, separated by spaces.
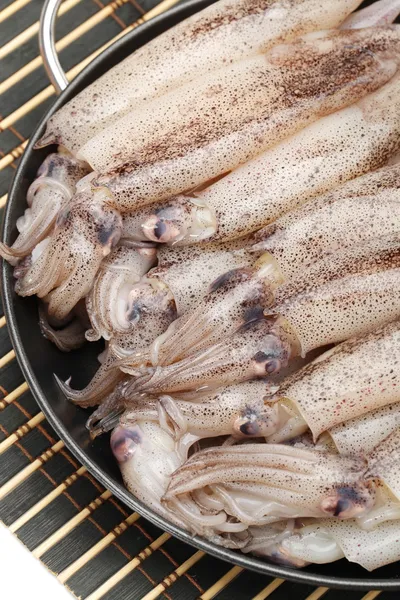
pixel 223 209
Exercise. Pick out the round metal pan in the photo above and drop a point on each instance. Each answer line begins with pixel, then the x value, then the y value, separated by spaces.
pixel 39 359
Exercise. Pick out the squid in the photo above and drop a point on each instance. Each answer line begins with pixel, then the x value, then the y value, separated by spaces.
pixel 63 271
pixel 150 312
pixel 380 13
pixel 147 456
pixel 367 430
pixel 243 294
pixel 112 302
pixel 356 377
pixel 66 336
pixel 336 149
pixel 150 305
pixel 369 539
pixel 211 125
pixel 305 316
pixel 52 189
pixel 328 540
pixel 225 32
pixel 236 410
pixel 259 484
pixel 365 208
pixel 233 299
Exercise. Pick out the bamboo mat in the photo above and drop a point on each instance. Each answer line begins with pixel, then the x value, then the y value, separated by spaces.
pixel 90 541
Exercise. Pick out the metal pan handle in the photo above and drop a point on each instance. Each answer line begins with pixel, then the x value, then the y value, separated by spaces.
pixel 47 45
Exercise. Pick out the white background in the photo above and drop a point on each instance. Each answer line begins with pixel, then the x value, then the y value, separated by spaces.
pixel 23 577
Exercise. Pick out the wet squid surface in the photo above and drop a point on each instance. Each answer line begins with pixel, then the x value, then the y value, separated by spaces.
pixel 228 223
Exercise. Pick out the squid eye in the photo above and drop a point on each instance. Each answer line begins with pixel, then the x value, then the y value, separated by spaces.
pixel 246 426
pixel 133 313
pixel 273 366
pixel 265 364
pixel 160 230
pixel 348 502
pixel 124 442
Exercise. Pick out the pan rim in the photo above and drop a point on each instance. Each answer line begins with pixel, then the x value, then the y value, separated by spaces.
pixel 235 558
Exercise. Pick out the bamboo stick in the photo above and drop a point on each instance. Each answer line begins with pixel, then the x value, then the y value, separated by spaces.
pixel 174 576
pixel 39 506
pixel 221 583
pixel 131 566
pixel 318 593
pixel 14 395
pixel 58 535
pixel 33 30
pixel 20 432
pixel 97 548
pixel 29 469
pixel 269 589
pixel 12 9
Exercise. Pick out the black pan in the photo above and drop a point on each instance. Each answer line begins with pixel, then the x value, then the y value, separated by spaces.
pixel 39 359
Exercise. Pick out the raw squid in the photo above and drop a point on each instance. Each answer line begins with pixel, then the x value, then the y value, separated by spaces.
pixel 148 314
pixel 204 130
pixel 211 125
pixel 369 539
pixel 63 270
pixel 380 13
pixel 112 302
pixel 237 410
pixel 52 189
pixel 306 315
pixel 225 32
pixel 367 430
pixel 244 294
pixel 257 484
pixel 337 148
pixel 147 456
pixel 181 277
pixel 234 298
pixel 364 208
pixel 355 377
pixel 325 541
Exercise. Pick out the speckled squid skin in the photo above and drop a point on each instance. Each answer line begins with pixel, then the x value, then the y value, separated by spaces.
pixel 355 377
pixel 207 128
pixel 188 271
pixel 364 208
pixel 366 431
pixel 257 349
pixel 336 149
pixel 150 313
pixel 384 463
pixel 310 313
pixel 107 303
pixel 52 189
pixel 65 267
pixel 259 484
pixel 175 285
pixel 233 299
pixel 237 410
pixel 370 549
pixel 223 33
pixel 348 294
